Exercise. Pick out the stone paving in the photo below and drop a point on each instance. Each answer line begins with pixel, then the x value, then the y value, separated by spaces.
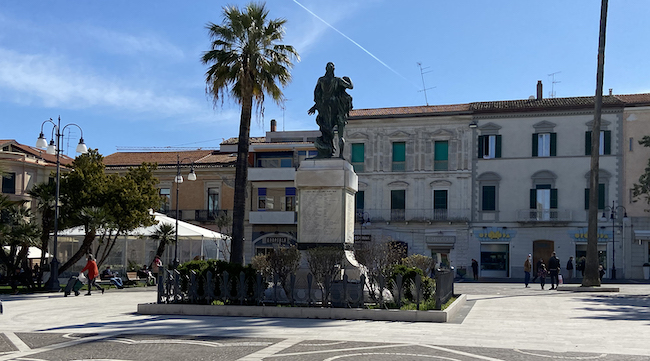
pixel 501 321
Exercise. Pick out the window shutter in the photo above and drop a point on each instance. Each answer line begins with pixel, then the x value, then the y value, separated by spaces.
pixel 553 198
pixel 588 142
pixel 553 144
pixel 533 199
pixel 608 142
pixel 481 139
pixel 601 196
pixel 535 144
pixel 498 147
pixel 586 198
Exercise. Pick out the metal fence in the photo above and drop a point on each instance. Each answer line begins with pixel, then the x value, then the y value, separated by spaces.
pixel 194 289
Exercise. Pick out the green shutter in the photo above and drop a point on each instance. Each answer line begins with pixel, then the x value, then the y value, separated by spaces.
pixel 586 198
pixel 399 152
pixel 398 199
pixel 359 199
pixel 481 139
pixel 535 144
pixel 440 199
pixel 601 196
pixel 588 142
pixel 553 198
pixel 489 198
pixel 498 147
pixel 441 151
pixel 357 153
pixel 608 142
pixel 553 144
pixel 533 199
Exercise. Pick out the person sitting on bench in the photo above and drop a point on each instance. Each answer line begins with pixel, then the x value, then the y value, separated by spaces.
pixel 107 274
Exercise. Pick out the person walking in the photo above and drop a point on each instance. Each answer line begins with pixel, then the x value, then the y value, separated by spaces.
pixel 541 273
pixel 155 266
pixel 93 273
pixel 553 270
pixel 527 268
pixel 114 277
pixel 569 268
pixel 475 269
pixel 539 263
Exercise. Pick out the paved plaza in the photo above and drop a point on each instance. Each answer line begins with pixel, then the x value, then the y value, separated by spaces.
pixel 500 321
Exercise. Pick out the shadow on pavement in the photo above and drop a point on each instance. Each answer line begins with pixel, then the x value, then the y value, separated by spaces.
pixel 621 307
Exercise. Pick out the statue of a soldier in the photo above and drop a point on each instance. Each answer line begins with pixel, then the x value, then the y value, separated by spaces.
pixel 333 104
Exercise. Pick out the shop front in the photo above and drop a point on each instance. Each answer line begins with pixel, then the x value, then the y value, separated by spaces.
pixel 579 236
pixel 494 261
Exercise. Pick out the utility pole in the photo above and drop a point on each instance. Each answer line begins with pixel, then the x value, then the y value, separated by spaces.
pixel 424 87
pixel 591 277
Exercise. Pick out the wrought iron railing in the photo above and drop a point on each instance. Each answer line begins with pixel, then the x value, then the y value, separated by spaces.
pixel 412 215
pixel 544 215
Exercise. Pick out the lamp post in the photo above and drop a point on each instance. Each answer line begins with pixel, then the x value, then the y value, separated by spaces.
pixel 612 215
pixel 55 148
pixel 178 180
pixel 364 220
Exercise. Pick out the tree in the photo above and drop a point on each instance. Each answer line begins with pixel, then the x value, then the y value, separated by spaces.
pixel 419 261
pixel 18 232
pixel 377 259
pixel 164 234
pixel 324 263
pixel 643 187
pixel 246 61
pixel 44 194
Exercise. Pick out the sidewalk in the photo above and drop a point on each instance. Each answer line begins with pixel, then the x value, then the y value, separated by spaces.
pixel 498 315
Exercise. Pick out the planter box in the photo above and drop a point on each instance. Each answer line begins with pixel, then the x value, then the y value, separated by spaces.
pixel 304 312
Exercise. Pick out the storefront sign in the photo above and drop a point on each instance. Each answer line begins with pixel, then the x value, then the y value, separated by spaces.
pixel 495 234
pixel 580 235
pixel 362 237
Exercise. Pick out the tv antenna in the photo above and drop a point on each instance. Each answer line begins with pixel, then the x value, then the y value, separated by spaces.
pixel 424 87
pixel 283 106
pixel 553 82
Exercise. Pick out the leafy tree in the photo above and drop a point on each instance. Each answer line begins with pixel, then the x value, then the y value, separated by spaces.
pixel 419 261
pixel 246 60
pixel 44 194
pixel 281 261
pixel 164 234
pixel 18 232
pixel 643 187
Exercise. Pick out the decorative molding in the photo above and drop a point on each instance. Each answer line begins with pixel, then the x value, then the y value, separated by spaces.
pixel 398 184
pixel 440 183
pixel 489 176
pixel 544 127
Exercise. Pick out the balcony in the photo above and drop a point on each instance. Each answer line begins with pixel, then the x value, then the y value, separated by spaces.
pixel 413 215
pixel 272 217
pixel 271 174
pixel 544 216
pixel 198 215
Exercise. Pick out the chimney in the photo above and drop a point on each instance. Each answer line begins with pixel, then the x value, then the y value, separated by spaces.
pixel 539 90
pixel 610 91
pixel 274 125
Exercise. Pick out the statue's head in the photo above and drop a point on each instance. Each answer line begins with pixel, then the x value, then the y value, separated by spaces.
pixel 329 68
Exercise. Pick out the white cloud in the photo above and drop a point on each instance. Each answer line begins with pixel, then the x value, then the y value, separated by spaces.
pixel 48 81
pixel 122 43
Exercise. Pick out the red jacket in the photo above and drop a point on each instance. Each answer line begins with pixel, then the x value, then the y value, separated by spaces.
pixel 92 269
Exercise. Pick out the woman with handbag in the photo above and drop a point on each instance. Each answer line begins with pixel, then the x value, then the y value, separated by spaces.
pixel 93 273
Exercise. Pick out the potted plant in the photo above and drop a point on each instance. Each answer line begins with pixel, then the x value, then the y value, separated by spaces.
pixel 646 270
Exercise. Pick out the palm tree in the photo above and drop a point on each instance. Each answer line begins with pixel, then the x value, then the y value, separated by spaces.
pixel 246 61
pixel 43 194
pixel 164 234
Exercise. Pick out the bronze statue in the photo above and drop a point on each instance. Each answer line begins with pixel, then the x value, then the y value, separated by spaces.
pixel 333 104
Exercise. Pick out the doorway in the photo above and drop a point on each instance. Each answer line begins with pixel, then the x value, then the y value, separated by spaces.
pixel 542 250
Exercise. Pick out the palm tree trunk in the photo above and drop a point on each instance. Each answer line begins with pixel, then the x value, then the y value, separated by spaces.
pixel 241 180
pixel 83 250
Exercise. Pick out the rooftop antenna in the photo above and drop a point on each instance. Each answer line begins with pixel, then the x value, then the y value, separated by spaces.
pixel 283 107
pixel 551 94
pixel 424 87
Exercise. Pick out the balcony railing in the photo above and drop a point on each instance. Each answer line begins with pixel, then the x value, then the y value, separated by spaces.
pixel 412 215
pixel 199 215
pixel 544 215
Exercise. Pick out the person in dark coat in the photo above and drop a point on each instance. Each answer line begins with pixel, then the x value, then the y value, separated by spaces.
pixel 569 268
pixel 553 270
pixel 539 263
pixel 475 269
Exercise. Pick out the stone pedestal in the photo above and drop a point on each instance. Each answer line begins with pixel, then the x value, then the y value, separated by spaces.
pixel 326 214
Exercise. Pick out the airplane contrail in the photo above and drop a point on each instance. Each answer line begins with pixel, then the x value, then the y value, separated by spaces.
pixel 353 42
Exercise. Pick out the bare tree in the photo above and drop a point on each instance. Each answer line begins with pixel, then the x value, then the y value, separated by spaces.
pixel 324 263
pixel 377 259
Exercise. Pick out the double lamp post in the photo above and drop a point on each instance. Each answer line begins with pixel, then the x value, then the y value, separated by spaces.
pixel 55 148
pixel 178 180
pixel 613 215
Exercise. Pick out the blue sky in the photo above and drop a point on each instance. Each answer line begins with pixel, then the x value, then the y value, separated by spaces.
pixel 129 72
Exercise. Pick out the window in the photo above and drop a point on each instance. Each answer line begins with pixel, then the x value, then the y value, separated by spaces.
pixel 488 198
pixel 359 201
pixel 543 199
pixel 544 144
pixel 489 146
pixel 213 200
pixel 165 194
pixel 440 204
pixel 441 155
pixel 306 154
pixel 605 142
pixel 275 159
pixel 261 199
pixel 399 157
pixel 494 257
pixel 357 159
pixel 397 204
pixel 601 196
pixel 9 183
pixel 290 199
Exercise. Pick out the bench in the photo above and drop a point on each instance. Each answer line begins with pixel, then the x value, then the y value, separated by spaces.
pixel 132 278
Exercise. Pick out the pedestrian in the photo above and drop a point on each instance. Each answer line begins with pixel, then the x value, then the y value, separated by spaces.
pixel 475 269
pixel 541 273
pixel 553 270
pixel 539 263
pixel 114 277
pixel 155 266
pixel 569 268
pixel 601 271
pixel 581 265
pixel 93 273
pixel 527 268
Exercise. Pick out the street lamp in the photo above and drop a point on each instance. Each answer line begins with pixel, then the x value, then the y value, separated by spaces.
pixel 364 220
pixel 55 148
pixel 178 180
pixel 612 215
